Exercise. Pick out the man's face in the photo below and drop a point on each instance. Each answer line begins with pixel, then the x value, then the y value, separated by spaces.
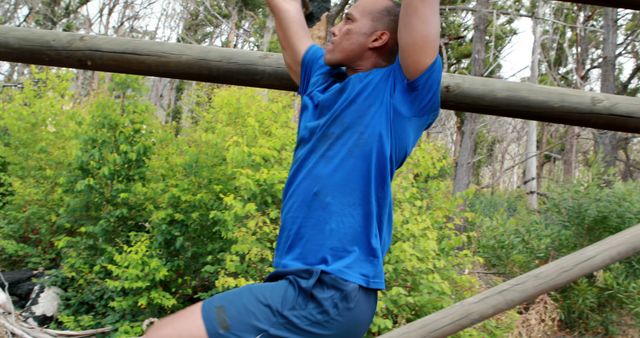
pixel 351 37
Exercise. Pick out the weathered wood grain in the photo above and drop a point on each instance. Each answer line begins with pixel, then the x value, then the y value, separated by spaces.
pixel 523 288
pixel 541 103
pixel 267 70
pixel 630 4
pixel 143 57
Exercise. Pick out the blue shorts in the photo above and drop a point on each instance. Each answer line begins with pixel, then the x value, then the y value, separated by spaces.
pixel 292 303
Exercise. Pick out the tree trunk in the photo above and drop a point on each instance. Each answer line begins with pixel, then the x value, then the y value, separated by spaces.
pixel 531 175
pixel 268 33
pixel 544 131
pixel 569 158
pixel 607 140
pixel 627 172
pixel 266 41
pixel 457 143
pixel 233 31
pixel 464 163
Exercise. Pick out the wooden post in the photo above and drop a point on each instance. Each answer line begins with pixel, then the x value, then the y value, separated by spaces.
pixel 267 70
pixel 523 288
pixel 629 4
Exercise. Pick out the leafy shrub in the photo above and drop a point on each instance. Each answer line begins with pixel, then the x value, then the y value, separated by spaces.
pixel 105 199
pixel 136 273
pixel 6 189
pixel 38 127
pixel 588 211
pixel 510 237
pixel 573 216
pixel 141 220
pixel 425 268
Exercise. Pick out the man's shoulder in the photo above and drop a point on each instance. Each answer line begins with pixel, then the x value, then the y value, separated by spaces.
pixel 314 55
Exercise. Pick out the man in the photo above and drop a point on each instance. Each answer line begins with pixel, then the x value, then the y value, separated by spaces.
pixel 366 98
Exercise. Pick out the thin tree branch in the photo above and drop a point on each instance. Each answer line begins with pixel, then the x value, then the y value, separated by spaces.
pixel 504 172
pixel 518 14
pixel 6 291
pixel 625 85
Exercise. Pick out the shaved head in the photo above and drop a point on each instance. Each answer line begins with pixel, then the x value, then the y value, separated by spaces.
pixel 387 18
pixel 369 27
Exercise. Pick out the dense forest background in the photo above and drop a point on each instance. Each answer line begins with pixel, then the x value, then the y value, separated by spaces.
pixel 140 196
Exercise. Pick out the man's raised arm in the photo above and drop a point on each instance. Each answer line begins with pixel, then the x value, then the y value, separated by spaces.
pixel 293 34
pixel 418 35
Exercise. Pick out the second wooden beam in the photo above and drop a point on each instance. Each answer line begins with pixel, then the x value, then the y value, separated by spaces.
pixel 267 70
pixel 523 288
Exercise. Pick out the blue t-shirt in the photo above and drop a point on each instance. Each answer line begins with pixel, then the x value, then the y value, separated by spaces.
pixel 354 132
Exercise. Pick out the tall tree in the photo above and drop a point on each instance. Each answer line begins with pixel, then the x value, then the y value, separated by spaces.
pixel 466 155
pixel 570 37
pixel 630 55
pixel 608 140
pixel 531 175
pixel 582 47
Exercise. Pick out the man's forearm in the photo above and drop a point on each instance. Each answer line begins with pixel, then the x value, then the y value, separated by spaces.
pixel 288 16
pixel 418 35
pixel 292 33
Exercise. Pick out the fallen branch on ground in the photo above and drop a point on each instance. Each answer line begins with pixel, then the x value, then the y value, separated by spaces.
pixel 21 329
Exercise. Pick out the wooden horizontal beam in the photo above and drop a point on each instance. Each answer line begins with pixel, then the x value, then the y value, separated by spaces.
pixel 523 288
pixel 143 57
pixel 629 4
pixel 267 70
pixel 540 103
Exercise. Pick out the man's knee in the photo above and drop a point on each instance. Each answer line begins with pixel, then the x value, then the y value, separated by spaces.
pixel 186 323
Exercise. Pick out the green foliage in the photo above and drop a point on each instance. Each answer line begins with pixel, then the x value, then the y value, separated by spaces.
pixel 12 252
pixel 457 27
pixel 587 212
pixel 236 160
pixel 141 221
pixel 6 189
pixel 514 240
pixel 136 273
pixel 38 126
pixel 599 303
pixel 207 217
pixel 105 201
pixel 105 190
pixel 424 267
pixel 245 18
pixel 509 237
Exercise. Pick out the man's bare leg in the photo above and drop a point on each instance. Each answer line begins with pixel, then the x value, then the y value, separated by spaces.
pixel 186 323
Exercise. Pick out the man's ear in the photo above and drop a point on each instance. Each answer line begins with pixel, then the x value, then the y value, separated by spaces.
pixel 379 39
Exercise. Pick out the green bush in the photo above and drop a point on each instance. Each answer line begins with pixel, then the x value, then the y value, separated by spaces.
pixel 38 132
pixel 589 211
pixel 136 273
pixel 572 216
pixel 140 220
pixel 509 237
pixel 105 204
pixel 425 268
pixel 6 189
pixel 218 188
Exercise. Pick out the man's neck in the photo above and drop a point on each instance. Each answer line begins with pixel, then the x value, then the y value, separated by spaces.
pixel 366 64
